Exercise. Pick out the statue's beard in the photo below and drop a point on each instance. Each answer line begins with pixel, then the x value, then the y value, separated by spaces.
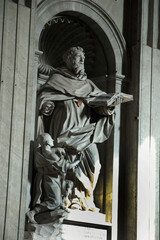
pixel 79 69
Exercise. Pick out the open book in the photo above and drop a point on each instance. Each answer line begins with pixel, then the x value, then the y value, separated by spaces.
pixel 109 100
pixel 117 98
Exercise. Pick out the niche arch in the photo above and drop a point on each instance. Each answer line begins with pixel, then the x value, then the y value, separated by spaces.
pixel 114 47
pixel 98 20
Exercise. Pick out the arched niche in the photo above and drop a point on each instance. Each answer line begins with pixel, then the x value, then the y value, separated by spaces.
pixel 113 46
pixel 99 22
pixel 69 29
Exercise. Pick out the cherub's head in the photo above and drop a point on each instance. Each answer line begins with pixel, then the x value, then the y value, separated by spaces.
pixel 45 139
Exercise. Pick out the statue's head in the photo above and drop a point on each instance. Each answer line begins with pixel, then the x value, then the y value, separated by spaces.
pixel 45 139
pixel 74 59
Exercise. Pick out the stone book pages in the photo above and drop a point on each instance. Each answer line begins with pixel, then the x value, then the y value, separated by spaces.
pixel 110 100
pixel 119 98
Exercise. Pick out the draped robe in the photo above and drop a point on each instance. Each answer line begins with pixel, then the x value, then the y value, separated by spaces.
pixel 71 125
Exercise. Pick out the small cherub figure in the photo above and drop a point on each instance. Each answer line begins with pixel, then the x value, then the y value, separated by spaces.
pixel 51 186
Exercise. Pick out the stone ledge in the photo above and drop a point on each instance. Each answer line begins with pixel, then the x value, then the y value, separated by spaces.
pixel 87 217
pixel 83 221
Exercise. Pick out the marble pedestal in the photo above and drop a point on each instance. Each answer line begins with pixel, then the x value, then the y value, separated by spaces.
pixel 77 225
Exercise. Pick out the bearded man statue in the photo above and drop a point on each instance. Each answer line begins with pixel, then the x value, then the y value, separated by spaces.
pixel 66 104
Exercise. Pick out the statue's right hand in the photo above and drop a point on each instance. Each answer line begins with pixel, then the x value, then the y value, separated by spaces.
pixel 60 152
pixel 47 108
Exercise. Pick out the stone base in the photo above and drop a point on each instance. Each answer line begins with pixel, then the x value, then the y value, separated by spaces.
pixel 86 216
pixel 79 225
pixel 43 232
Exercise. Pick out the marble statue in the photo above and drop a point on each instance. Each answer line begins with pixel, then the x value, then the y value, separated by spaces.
pixel 51 186
pixel 76 114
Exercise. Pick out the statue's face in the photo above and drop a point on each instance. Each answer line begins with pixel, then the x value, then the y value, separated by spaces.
pixel 76 63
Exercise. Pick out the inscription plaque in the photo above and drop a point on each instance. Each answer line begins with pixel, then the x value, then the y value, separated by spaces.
pixel 70 232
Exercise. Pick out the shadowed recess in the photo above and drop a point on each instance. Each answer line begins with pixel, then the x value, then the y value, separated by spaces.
pixel 63 32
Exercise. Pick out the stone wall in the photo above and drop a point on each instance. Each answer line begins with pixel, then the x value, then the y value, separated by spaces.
pixel 140 131
pixel 149 118
pixel 17 113
pixel 139 171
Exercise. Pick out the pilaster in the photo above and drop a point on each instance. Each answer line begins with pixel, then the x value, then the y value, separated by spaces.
pixel 114 84
pixel 17 114
pixel 149 131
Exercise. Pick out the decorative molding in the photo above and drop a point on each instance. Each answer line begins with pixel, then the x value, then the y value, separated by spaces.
pixel 57 19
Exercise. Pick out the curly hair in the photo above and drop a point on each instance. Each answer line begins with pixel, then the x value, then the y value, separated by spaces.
pixel 72 52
